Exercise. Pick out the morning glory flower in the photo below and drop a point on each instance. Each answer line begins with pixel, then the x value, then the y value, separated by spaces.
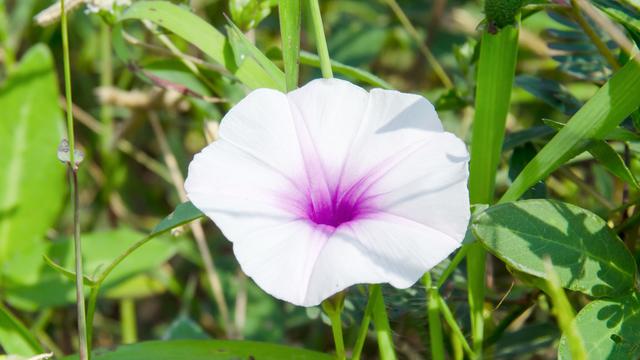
pixel 330 186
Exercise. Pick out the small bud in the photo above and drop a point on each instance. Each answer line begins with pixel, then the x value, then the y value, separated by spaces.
pixel 501 13
pixel 64 153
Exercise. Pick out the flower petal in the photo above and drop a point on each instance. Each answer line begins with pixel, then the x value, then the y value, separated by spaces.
pixel 381 249
pixel 239 191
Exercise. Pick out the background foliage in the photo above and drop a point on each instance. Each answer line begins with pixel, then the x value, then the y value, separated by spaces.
pixel 151 82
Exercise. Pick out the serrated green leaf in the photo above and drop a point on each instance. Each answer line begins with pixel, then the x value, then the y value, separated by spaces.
pixel 587 256
pixel 609 329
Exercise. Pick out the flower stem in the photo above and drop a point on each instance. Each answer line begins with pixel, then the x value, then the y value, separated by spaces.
pixel 381 324
pixel 363 331
pixel 73 172
pixel 67 84
pixel 82 321
pixel 321 41
pixel 451 321
pixel 333 307
pixel 435 325
pixel 336 328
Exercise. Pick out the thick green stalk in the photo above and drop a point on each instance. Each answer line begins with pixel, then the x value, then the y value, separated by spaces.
pixel 381 324
pixel 433 313
pixel 321 41
pixel 496 70
pixel 289 12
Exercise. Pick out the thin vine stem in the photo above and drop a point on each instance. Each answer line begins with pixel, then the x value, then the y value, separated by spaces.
pixel 73 173
pixel 381 324
pixel 321 41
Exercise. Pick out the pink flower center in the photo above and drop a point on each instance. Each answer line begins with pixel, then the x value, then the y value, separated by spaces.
pixel 337 206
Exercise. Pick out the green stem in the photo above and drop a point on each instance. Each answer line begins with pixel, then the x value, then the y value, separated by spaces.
pixel 289 12
pixel 128 321
pixel 106 80
pixel 336 328
pixel 82 321
pixel 408 26
pixel 460 255
pixel 381 324
pixel 435 326
pixel 363 330
pixel 321 41
pixel 91 310
pixel 67 84
pixel 451 321
pixel 593 35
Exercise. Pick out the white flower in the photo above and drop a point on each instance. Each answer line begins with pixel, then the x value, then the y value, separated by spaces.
pixel 330 186
pixel 95 6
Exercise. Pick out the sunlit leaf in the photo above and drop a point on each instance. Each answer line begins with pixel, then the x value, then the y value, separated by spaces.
pixel 586 254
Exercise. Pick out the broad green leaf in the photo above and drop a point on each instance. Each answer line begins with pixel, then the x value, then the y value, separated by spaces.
pixel 205 37
pixel 32 284
pixel 15 338
pixel 183 214
pixel 609 329
pixel 290 16
pixel 206 350
pixel 600 115
pixel 30 131
pixel 587 256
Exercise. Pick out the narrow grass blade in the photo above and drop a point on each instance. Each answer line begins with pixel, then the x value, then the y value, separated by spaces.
pixel 598 117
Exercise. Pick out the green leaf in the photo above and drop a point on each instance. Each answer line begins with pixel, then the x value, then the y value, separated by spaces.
pixel 587 256
pixel 15 338
pixel 604 153
pixel 32 284
pixel 249 13
pixel 248 56
pixel 184 328
pixel 600 115
pixel 308 58
pixel 203 36
pixel 30 131
pixel 609 329
pixel 206 350
pixel 551 92
pixel 290 16
pixel 183 214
